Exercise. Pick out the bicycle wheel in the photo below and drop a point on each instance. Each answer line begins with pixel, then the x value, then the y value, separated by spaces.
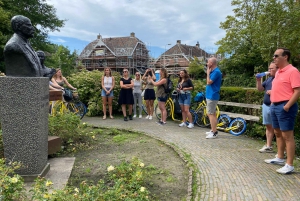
pixel 74 109
pixel 223 121
pixel 144 108
pixel 82 109
pixel 201 113
pixel 194 117
pixel 237 126
pixel 158 112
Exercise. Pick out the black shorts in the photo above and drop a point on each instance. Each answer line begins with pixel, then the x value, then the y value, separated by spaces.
pixel 149 94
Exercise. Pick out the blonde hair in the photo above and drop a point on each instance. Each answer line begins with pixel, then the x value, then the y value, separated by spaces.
pixel 109 71
pixel 55 75
pixel 164 73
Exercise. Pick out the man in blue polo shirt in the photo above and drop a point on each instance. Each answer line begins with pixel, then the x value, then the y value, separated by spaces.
pixel 213 81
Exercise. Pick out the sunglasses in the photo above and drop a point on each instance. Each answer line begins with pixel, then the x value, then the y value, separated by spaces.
pixel 125 71
pixel 275 55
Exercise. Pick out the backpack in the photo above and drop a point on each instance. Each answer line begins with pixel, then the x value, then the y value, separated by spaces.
pixel 169 87
pixel 199 97
pixel 68 95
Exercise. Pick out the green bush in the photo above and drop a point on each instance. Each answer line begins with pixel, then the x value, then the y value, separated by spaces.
pixel 88 84
pixel 65 126
pixel 238 81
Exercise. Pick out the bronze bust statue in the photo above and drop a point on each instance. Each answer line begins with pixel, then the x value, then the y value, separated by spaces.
pixel 20 58
pixel 47 72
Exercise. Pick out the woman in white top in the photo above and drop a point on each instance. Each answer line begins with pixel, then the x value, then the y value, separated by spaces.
pixel 137 91
pixel 107 93
pixel 149 95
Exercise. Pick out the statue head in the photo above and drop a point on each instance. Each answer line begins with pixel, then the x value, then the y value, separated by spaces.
pixel 41 56
pixel 22 25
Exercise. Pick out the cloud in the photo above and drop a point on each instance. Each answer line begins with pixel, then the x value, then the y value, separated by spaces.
pixel 156 22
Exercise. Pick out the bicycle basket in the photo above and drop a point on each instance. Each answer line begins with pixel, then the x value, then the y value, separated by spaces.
pixel 199 97
pixel 68 96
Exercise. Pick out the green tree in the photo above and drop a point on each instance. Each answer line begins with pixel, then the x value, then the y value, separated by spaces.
pixel 257 28
pixel 62 58
pixel 43 18
pixel 196 68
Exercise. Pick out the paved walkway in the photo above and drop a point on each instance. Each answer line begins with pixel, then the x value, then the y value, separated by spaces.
pixel 231 167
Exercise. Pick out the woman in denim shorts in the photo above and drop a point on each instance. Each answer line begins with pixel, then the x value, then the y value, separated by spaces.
pixel 184 88
pixel 107 93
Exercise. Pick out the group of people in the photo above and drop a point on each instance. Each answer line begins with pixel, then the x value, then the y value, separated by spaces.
pixel 279 109
pixel 133 90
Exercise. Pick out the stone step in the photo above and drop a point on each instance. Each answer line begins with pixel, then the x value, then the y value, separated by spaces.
pixel 54 144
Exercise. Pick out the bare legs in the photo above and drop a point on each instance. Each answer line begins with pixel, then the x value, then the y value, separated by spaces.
pixel 269 134
pixel 185 110
pixel 213 121
pixel 107 101
pixel 124 110
pixel 150 107
pixel 285 139
pixel 162 107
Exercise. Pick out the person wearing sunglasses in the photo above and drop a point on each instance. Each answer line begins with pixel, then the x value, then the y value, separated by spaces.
pixel 137 94
pixel 284 109
pixel 126 96
pixel 266 86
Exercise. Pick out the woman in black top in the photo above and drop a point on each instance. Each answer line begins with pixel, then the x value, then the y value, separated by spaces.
pixel 126 96
pixel 184 88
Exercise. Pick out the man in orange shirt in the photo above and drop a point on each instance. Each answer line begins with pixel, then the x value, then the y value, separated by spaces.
pixel 284 108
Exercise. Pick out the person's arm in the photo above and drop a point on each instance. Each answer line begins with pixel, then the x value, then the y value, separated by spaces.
pixel 113 84
pixel 293 99
pixel 259 86
pixel 208 80
pixel 68 84
pixel 160 82
pixel 122 85
pixel 55 85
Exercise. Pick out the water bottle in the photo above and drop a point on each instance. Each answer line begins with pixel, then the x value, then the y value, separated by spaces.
pixel 259 75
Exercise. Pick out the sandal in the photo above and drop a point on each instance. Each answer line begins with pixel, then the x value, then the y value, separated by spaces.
pixel 104 117
pixel 111 117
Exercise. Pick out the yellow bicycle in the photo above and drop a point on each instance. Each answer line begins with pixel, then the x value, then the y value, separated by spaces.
pixel 199 106
pixel 173 109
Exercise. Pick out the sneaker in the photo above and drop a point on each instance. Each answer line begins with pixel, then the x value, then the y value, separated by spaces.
pixel 125 119
pixel 266 149
pixel 285 169
pixel 140 116
pixel 130 117
pixel 150 117
pixel 284 155
pixel 163 123
pixel 134 116
pixel 147 117
pixel 212 135
pixel 183 124
pixel 190 125
pixel 207 133
pixel 276 161
pixel 159 122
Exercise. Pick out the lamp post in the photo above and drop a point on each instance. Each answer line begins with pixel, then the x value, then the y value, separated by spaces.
pixel 165 54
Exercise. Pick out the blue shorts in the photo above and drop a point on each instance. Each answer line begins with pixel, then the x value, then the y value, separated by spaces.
pixel 162 99
pixel 103 93
pixel 281 119
pixel 266 114
pixel 184 99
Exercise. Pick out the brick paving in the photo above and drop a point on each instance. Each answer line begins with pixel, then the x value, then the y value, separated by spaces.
pixel 231 166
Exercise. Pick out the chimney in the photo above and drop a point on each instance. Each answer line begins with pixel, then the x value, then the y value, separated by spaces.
pixel 98 36
pixel 197 44
pixel 178 41
pixel 132 35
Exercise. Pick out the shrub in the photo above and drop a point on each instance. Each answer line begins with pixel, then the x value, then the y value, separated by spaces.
pixel 88 84
pixel 65 126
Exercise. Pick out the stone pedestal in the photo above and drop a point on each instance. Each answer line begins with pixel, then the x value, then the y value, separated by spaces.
pixel 24 103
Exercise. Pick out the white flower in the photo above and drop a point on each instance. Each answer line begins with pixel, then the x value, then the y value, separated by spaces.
pixel 142 164
pixel 110 168
pixel 76 190
pixel 14 180
pixel 142 189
